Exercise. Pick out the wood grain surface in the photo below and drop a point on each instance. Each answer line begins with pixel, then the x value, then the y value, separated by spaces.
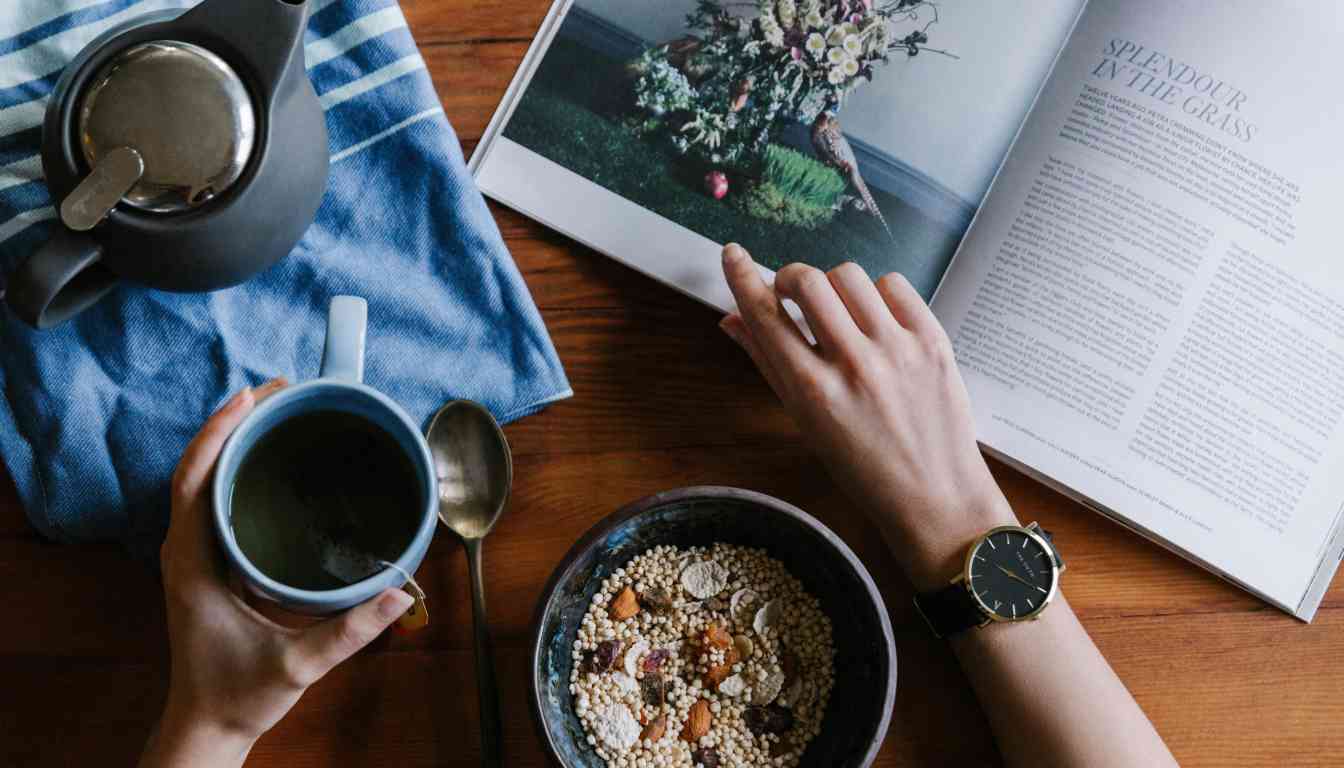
pixel 662 400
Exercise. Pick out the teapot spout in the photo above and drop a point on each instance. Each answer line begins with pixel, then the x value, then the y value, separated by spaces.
pixel 266 34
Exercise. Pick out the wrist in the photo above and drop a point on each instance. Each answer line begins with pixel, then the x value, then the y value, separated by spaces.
pixel 185 738
pixel 933 550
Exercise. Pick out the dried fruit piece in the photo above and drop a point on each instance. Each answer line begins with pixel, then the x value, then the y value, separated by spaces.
pixel 655 659
pixel 706 757
pixel 788 661
pixel 767 690
pixel 624 605
pixel 632 656
pixel 704 579
pixel 716 605
pixel 654 690
pixel 733 686
pixel 616 728
pixel 773 719
pixel 767 617
pixel 654 730
pixel 716 637
pixel 716 674
pixel 744 647
pixel 603 657
pixel 698 721
pixel 658 600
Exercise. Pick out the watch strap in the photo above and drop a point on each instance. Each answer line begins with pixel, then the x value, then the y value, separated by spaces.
pixel 950 610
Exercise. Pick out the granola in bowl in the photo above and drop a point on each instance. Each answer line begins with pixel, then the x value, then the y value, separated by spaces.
pixel 704 657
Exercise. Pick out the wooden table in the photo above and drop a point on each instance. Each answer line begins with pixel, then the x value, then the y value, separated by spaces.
pixel 662 400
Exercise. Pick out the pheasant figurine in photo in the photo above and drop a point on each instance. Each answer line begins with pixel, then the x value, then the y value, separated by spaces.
pixel 833 149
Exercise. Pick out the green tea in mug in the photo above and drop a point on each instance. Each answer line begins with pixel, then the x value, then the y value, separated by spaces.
pixel 323 498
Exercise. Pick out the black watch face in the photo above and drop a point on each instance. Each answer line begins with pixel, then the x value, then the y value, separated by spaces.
pixel 1011 574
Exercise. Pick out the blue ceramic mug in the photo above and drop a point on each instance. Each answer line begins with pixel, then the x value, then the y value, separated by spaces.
pixel 339 387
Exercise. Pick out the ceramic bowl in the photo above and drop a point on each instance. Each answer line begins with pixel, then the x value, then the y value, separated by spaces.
pixel 865 673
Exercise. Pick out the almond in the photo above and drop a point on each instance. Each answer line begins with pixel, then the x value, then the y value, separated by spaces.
pixel 654 730
pixel 625 605
pixel 697 722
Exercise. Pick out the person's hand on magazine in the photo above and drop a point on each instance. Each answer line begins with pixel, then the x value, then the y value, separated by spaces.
pixel 881 397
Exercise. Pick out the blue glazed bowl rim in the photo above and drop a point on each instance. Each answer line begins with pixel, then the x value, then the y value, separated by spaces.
pixel 360 590
pixel 701 493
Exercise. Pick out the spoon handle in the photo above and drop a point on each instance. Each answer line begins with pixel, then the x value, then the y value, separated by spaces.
pixel 486 688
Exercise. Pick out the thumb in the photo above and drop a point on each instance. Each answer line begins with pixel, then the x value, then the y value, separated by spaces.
pixel 327 644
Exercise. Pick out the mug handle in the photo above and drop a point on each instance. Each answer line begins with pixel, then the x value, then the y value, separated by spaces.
pixel 65 277
pixel 343 353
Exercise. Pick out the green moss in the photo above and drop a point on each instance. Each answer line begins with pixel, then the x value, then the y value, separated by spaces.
pixel 766 201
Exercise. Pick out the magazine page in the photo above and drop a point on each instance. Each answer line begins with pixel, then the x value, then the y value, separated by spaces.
pixel 816 130
pixel 1149 308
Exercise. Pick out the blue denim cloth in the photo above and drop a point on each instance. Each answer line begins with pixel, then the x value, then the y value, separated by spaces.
pixel 96 412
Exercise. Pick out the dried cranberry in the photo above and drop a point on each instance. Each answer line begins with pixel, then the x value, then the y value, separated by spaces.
pixel 654 660
pixel 708 757
pixel 604 657
pixel 772 719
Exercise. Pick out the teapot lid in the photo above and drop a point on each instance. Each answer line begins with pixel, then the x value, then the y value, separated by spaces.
pixel 183 109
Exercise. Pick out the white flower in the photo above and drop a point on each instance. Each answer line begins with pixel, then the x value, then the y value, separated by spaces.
pixel 851 67
pixel 836 76
pixel 774 35
pixel 813 20
pixel 853 45
pixel 787 12
pixel 816 44
pixel 835 56
pixel 836 35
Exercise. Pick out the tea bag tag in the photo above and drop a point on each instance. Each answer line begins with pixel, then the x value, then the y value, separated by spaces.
pixel 417 616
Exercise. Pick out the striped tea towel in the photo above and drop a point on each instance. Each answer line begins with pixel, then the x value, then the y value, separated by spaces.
pixel 96 412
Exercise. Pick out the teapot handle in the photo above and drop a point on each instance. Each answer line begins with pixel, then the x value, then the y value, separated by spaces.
pixel 65 277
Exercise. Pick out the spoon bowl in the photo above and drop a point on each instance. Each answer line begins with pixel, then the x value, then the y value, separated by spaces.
pixel 474 465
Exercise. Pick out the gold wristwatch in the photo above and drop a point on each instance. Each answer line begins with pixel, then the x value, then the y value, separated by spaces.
pixel 1011 574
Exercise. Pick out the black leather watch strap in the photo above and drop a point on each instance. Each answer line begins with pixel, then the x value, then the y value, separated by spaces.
pixel 950 610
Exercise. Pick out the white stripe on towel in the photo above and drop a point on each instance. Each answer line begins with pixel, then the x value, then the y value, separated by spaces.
pixel 50 55
pixel 21 117
pixel 21 172
pixel 379 136
pixel 381 76
pixel 351 35
pixel 24 220
pixel 24 16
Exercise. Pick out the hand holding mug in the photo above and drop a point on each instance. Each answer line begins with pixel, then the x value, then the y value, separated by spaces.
pixel 235 673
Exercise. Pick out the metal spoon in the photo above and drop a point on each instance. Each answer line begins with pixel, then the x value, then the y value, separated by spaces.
pixel 475 471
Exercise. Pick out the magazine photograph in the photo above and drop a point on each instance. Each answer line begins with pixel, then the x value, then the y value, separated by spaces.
pixel 821 130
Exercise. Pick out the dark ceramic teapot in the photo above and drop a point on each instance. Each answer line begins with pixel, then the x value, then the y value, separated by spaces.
pixel 187 152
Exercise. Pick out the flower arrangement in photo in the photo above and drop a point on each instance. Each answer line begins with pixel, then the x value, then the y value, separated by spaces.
pixel 742 75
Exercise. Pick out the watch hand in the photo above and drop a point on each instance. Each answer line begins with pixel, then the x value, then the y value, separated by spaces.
pixel 1013 575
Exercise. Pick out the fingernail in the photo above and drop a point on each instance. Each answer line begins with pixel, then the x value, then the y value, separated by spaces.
pixel 726 324
pixel 393 604
pixel 733 254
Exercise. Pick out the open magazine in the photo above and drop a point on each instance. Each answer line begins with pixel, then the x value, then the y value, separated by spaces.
pixel 1123 212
